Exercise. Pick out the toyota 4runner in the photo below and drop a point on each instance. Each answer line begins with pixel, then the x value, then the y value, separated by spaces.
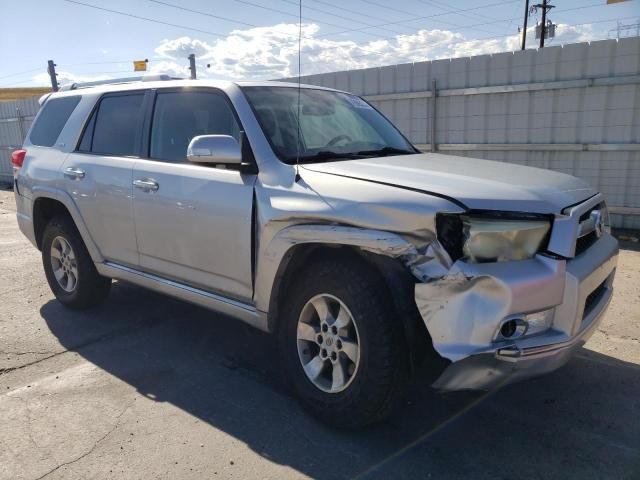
pixel 304 212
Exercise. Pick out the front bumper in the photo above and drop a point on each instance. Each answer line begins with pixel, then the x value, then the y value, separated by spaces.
pixel 463 312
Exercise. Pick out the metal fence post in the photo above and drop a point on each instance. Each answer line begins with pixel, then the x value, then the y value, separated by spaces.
pixel 434 94
pixel 192 65
pixel 51 70
pixel 20 126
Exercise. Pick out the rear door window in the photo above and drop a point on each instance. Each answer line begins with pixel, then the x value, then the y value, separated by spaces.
pixel 52 119
pixel 117 128
pixel 180 116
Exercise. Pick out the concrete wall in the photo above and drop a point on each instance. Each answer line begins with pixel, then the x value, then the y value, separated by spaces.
pixel 573 108
pixel 15 120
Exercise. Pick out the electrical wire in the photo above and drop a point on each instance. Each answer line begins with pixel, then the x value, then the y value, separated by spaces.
pixel 21 73
pixel 315 37
pixel 418 49
pixel 232 20
pixel 282 12
pixel 379 26
pixel 146 19
pixel 293 2
pixel 425 17
pixel 444 6
pixel 355 12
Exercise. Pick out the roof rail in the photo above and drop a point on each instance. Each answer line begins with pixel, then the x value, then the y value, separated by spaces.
pixel 143 78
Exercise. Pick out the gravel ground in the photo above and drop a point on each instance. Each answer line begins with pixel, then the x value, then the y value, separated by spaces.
pixel 150 387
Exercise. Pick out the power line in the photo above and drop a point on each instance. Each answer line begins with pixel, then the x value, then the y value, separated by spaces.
pixel 21 73
pixel 200 12
pixel 13 85
pixel 425 17
pixel 467 26
pixel 152 20
pixel 445 7
pixel 282 12
pixel 599 4
pixel 417 49
pixel 318 36
pixel 111 62
pixel 146 19
pixel 415 16
pixel 232 20
pixel 339 16
pixel 366 15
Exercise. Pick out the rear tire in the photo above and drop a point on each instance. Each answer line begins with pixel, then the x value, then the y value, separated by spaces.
pixel 371 379
pixel 69 269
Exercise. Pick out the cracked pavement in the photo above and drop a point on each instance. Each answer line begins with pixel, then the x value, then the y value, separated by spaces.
pixel 150 387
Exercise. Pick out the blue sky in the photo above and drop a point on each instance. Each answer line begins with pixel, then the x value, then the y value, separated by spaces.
pixel 258 38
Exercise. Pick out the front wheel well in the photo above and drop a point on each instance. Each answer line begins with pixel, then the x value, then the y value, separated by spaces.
pixel 397 279
pixel 44 209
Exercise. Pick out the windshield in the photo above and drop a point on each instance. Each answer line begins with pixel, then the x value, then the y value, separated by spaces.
pixel 333 125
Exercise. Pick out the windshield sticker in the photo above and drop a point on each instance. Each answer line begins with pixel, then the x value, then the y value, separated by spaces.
pixel 356 101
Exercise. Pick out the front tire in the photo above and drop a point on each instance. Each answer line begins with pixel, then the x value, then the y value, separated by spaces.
pixel 341 344
pixel 69 269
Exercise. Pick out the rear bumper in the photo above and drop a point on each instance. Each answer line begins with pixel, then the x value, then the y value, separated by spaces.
pixel 464 327
pixel 23 214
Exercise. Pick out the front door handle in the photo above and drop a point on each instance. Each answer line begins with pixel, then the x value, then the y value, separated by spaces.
pixel 74 173
pixel 146 185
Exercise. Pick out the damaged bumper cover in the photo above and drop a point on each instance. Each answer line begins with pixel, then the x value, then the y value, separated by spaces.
pixel 464 309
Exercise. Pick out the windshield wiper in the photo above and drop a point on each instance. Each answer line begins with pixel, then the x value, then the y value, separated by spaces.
pixel 386 151
pixel 328 155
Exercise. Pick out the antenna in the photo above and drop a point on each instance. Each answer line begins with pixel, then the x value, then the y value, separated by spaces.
pixel 297 177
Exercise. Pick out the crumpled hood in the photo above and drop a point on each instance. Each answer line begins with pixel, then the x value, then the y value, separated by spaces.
pixel 478 184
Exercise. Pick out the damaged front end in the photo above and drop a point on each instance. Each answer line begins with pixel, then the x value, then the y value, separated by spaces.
pixel 499 320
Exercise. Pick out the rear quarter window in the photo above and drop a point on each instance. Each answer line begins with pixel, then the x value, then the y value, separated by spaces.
pixel 115 126
pixel 52 119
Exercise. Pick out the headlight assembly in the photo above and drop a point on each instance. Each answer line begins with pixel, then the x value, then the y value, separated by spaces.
pixel 493 237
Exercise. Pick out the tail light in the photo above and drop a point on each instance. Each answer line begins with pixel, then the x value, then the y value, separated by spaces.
pixel 17 159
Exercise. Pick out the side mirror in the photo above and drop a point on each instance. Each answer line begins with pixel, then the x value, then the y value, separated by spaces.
pixel 219 149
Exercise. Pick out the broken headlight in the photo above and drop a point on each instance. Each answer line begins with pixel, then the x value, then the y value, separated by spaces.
pixel 493 236
pixel 500 240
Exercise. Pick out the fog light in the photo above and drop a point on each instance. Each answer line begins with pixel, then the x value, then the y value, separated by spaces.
pixel 513 328
pixel 539 321
pixel 525 324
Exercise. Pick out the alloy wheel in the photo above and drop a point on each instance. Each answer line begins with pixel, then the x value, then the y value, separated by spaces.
pixel 328 343
pixel 64 264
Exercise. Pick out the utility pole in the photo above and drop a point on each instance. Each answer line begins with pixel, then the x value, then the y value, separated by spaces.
pixel 543 27
pixel 544 21
pixel 51 69
pixel 192 66
pixel 524 29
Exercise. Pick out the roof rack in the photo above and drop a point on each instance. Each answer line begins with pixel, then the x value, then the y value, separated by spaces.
pixel 144 78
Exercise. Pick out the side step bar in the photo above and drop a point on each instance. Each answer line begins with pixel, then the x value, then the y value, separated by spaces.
pixel 234 308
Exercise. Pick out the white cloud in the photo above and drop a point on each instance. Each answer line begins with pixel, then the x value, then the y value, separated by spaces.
pixel 271 52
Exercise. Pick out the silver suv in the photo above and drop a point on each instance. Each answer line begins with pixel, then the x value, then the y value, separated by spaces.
pixel 304 212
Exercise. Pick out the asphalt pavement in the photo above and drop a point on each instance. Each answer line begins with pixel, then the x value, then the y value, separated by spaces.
pixel 150 387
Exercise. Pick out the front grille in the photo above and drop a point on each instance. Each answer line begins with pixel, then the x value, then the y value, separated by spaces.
pixel 585 242
pixel 593 298
pixel 591 227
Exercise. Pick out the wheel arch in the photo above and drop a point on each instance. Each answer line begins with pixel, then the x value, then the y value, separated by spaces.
pixel 47 205
pixel 381 252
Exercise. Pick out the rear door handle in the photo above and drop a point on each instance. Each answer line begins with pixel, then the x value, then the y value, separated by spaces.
pixel 146 185
pixel 74 173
